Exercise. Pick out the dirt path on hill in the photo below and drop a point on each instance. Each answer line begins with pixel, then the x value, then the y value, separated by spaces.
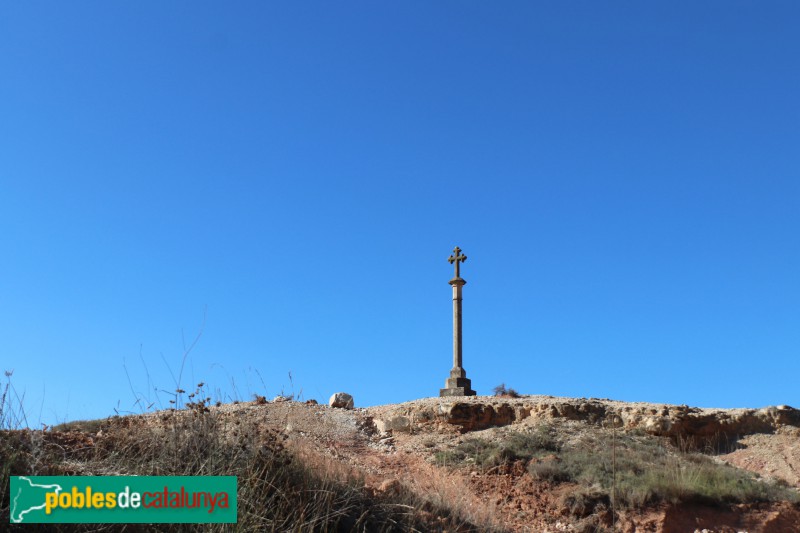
pixel 772 456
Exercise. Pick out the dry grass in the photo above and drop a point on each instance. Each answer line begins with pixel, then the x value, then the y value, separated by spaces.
pixel 279 489
pixel 443 489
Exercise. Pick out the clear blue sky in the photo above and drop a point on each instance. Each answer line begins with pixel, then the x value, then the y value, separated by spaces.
pixel 624 177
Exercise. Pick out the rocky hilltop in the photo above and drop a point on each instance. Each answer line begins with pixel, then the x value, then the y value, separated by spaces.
pixel 482 412
pixel 407 446
pixel 763 441
pixel 532 463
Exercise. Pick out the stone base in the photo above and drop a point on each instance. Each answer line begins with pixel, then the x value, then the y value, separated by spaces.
pixel 457 386
pixel 457 391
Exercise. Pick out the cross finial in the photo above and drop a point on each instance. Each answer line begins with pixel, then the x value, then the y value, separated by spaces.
pixel 457 258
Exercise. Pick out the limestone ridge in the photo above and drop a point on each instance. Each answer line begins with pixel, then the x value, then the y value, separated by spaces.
pixel 654 419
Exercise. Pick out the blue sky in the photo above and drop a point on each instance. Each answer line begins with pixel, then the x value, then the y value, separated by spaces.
pixel 624 178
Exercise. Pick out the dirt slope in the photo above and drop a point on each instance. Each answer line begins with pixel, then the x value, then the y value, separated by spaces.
pixel 394 446
pixel 399 447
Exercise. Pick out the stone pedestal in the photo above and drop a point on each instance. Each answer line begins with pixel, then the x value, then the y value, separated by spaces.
pixel 457 387
pixel 457 384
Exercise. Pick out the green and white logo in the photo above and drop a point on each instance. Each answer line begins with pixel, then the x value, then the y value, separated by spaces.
pixel 122 499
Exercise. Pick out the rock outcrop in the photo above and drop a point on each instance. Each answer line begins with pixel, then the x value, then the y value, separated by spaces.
pixel 478 413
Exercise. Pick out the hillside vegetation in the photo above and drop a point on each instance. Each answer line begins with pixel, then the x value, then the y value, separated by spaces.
pixel 433 465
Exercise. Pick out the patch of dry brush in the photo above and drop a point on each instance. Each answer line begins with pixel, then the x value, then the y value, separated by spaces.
pixel 277 490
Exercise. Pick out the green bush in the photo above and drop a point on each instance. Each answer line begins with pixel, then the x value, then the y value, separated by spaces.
pixel 632 469
pixel 516 446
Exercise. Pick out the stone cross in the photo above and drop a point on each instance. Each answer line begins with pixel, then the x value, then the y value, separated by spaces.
pixel 457 258
pixel 457 384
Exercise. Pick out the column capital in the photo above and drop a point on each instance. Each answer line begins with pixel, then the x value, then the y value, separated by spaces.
pixel 457 281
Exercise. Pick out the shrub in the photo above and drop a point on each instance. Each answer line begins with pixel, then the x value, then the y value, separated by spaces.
pixel 514 447
pixel 501 390
pixel 633 470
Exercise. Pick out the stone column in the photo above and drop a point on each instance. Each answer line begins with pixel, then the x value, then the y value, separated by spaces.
pixel 457 384
pixel 457 353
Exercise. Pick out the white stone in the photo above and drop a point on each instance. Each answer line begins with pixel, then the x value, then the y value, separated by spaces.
pixel 395 423
pixel 342 400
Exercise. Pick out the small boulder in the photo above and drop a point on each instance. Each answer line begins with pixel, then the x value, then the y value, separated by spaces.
pixel 341 400
pixel 395 423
